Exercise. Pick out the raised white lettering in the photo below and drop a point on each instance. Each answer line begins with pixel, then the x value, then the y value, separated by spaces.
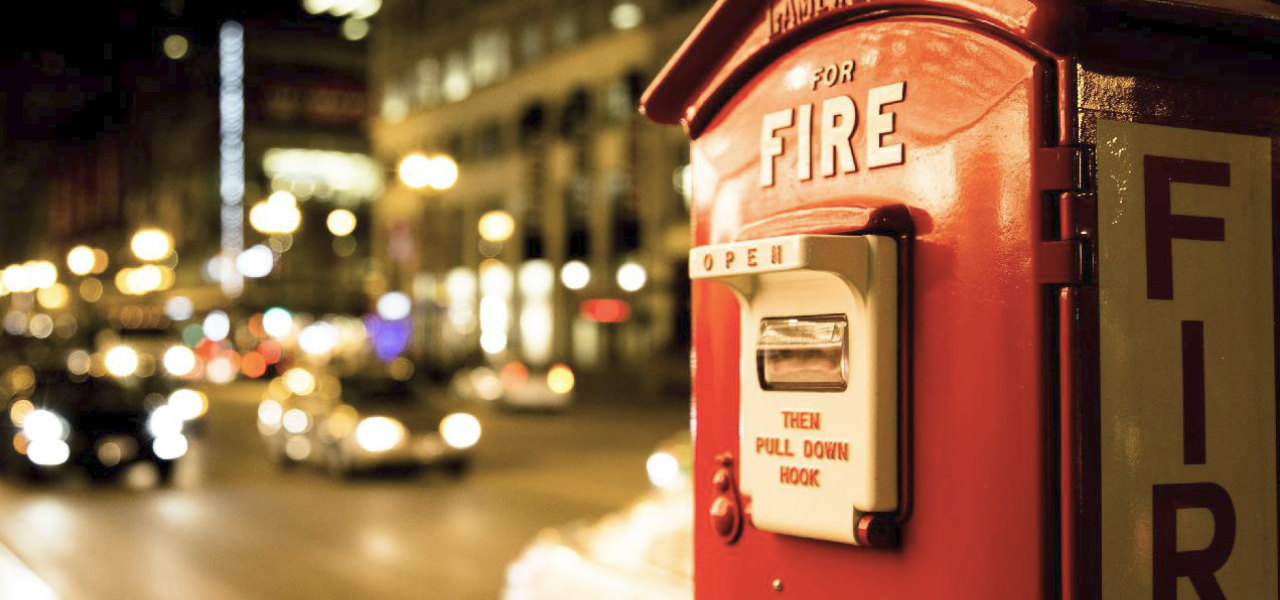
pixel 804 143
pixel 770 143
pixel 839 120
pixel 880 124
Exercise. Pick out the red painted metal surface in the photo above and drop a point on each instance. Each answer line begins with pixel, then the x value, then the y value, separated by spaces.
pixel 1001 488
pixel 969 125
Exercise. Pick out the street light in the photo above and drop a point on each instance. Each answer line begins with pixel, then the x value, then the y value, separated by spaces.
pixel 418 171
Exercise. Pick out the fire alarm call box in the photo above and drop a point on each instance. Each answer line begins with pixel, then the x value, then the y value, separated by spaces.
pixel 818 377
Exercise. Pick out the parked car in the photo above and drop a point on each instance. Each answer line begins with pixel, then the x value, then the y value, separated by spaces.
pixel 59 420
pixel 643 551
pixel 362 422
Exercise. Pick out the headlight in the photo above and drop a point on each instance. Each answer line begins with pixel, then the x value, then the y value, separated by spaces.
pixel 170 446
pixel 48 452
pixel 164 421
pixel 42 425
pixel 189 404
pixel 460 430
pixel 379 434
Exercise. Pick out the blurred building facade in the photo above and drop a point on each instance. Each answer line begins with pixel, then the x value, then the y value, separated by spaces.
pixel 536 100
pixel 133 141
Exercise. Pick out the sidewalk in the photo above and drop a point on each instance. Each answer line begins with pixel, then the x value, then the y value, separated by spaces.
pixel 18 582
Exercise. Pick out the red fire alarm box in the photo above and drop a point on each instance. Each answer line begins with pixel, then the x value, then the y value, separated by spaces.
pixel 985 297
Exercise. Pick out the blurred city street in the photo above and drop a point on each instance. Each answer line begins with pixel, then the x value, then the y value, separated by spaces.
pixel 262 255
pixel 233 526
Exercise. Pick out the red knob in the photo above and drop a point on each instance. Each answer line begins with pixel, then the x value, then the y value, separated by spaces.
pixel 720 481
pixel 724 517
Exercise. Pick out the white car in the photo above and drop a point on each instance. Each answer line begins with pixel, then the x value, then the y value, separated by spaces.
pixel 362 422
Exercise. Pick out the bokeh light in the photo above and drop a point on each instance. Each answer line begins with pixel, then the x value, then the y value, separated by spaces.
pixel 151 244
pixel 179 308
pixel 355 29
pixel 418 171
pixel 179 361
pixel 277 322
pixel 20 410
pixel 122 361
pixel 91 289
pixel 78 362
pixel 460 430
pixel 188 404
pixel 394 306
pixel 217 325
pixel 341 222
pixel 253 365
pixel 400 369
pixel 221 369
pixel 631 277
pixel 176 46
pixel 40 274
pixel 496 226
pixel 40 326
pixel 256 261
pixel 80 260
pixel 415 170
pixel 300 381
pixel 277 214
pixel 560 379
pixel 318 338
pixel 664 470
pixel 575 275
pixel 53 297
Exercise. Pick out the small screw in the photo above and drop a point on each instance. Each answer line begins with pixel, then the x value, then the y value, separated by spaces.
pixel 777 585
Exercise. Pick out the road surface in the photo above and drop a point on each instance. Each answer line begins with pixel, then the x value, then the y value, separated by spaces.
pixel 235 528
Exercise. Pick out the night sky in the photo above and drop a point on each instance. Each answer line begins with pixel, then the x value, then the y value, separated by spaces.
pixel 62 64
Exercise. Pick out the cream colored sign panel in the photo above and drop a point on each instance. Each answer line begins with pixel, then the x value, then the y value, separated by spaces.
pixel 819 393
pixel 1188 423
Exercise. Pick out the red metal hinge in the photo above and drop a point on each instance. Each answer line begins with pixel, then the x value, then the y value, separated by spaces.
pixel 1060 262
pixel 1058 168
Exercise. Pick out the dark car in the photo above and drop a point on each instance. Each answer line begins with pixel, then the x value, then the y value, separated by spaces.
pixel 58 421
pixel 362 422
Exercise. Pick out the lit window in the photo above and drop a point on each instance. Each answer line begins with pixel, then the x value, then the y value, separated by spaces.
pixel 457 83
pixel 490 56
